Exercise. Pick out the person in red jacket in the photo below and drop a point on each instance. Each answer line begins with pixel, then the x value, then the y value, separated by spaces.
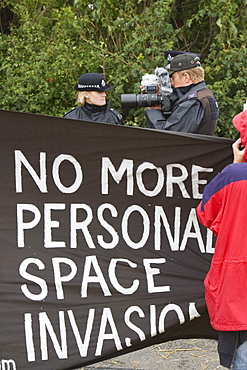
pixel 223 210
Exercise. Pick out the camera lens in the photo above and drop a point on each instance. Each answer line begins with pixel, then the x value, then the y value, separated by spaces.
pixel 148 100
pixel 141 100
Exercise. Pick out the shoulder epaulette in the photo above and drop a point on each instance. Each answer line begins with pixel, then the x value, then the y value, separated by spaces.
pixel 119 116
pixel 71 110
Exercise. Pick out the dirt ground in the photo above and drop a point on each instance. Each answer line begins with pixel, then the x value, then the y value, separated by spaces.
pixel 182 354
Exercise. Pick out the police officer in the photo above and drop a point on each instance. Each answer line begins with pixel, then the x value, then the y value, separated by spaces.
pixel 91 96
pixel 194 108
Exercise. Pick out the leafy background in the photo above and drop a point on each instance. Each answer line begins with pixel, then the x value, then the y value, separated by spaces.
pixel 46 45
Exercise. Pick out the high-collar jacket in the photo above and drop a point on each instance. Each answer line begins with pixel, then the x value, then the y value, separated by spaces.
pixel 223 209
pixel 95 113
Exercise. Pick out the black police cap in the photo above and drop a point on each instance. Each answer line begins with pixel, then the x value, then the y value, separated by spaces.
pixel 92 82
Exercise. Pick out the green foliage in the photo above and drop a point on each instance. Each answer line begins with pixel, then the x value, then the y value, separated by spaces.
pixel 57 40
pixel 41 63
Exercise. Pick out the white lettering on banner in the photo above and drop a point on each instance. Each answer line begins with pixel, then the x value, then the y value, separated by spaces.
pixel 37 280
pixel 113 278
pixel 108 168
pixel 153 318
pixel 21 225
pixel 192 227
pixel 41 182
pixel 179 180
pixel 192 223
pixel 80 225
pixel 7 364
pixel 139 179
pixel 91 263
pixel 107 226
pixel 132 326
pixel 159 228
pixel 50 224
pixel 107 330
pixel 20 160
pixel 196 181
pixel 145 227
pixel 161 216
pixel 150 272
pixel 58 278
pixel 127 166
pixel 78 172
pixel 165 311
pixel 82 346
pixel 107 318
pixel 193 313
pixel 28 325
pixel 46 326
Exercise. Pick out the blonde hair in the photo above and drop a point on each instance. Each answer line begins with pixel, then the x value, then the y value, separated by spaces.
pixel 196 74
pixel 80 98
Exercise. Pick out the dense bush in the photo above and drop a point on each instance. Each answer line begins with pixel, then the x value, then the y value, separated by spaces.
pixel 52 42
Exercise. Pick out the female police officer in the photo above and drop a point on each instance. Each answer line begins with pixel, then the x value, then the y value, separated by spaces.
pixel 91 96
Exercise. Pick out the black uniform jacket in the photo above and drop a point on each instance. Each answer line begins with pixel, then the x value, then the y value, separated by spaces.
pixel 95 113
pixel 195 110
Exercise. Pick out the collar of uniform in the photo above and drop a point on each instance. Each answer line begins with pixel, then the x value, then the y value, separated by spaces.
pixel 95 108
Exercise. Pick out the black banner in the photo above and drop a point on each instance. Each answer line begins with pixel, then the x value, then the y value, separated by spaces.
pixel 101 249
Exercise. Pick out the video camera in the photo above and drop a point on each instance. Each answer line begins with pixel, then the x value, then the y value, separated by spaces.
pixel 156 90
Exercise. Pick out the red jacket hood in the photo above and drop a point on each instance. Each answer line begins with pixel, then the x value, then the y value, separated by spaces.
pixel 240 123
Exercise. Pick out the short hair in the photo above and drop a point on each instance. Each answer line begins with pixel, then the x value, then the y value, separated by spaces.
pixel 196 74
pixel 80 98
